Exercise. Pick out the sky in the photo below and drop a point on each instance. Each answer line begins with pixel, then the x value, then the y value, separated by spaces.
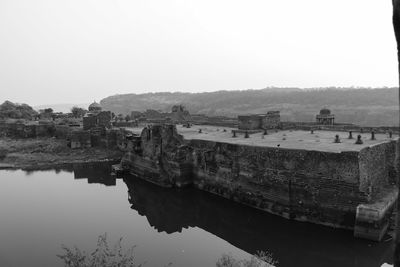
pixel 77 51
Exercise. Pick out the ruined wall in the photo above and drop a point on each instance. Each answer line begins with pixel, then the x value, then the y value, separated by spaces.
pixel 79 139
pixel 377 168
pixel 104 119
pixel 271 120
pixel 314 186
pixel 89 122
pixel 249 122
pixel 26 129
pixel 305 185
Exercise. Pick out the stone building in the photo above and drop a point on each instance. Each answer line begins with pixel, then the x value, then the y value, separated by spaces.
pixel 79 139
pixel 325 117
pixel 269 120
pixel 179 114
pixel 96 117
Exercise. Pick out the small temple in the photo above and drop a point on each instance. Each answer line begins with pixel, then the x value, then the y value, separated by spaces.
pixel 325 117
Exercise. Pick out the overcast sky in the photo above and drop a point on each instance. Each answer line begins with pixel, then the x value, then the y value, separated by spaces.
pixel 75 51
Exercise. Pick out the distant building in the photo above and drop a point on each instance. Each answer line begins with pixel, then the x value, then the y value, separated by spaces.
pixel 179 114
pixel 96 118
pixel 325 117
pixel 269 120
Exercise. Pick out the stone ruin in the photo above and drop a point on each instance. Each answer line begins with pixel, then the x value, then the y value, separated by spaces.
pixel 96 118
pixel 325 117
pixel 270 120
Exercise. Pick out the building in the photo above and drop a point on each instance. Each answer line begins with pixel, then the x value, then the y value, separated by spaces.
pixel 96 117
pixel 269 120
pixel 325 117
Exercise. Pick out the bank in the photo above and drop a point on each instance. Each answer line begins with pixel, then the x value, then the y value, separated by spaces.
pixel 48 152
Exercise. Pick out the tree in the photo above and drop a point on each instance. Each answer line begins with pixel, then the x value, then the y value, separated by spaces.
pixel 127 118
pixel 396 25
pixel 16 111
pixel 48 110
pixel 78 112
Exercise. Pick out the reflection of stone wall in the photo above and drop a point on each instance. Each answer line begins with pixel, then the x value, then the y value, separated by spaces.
pixel 170 210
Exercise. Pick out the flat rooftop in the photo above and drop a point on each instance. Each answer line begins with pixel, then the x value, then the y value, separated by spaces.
pixel 294 139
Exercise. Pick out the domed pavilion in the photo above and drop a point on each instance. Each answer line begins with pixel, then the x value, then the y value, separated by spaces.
pixel 325 117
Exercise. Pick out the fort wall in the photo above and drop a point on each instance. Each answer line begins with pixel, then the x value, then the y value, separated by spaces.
pixel 323 187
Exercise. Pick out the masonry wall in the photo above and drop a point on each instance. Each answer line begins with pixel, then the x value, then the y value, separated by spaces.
pixel 303 185
pixel 249 122
pixel 377 168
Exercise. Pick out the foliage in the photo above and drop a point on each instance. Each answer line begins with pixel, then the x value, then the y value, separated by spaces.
pixel 260 259
pixel 102 256
pixel 78 112
pixel 10 110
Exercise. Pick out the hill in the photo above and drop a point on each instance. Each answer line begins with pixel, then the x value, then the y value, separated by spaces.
pixel 362 106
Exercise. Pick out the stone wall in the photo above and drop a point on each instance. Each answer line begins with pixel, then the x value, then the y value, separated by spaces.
pixel 79 139
pixel 26 129
pixel 377 168
pixel 249 122
pixel 104 119
pixel 271 120
pixel 89 122
pixel 321 187
pixel 305 185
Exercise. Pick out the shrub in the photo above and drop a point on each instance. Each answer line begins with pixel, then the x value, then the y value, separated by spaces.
pixel 103 256
pixel 260 259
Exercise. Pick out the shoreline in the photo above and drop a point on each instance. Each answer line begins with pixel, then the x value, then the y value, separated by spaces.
pixel 49 153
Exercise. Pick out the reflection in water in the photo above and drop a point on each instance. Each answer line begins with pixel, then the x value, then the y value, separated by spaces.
pixel 95 173
pixel 78 212
pixel 292 243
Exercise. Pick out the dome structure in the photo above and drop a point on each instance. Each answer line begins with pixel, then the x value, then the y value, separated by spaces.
pixel 325 111
pixel 94 107
pixel 325 117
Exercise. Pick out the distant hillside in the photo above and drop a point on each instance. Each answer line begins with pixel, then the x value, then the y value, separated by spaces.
pixel 373 107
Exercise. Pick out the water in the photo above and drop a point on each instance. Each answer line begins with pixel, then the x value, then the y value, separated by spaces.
pixel 40 211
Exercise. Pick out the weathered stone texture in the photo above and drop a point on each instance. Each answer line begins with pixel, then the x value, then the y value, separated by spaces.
pixel 377 167
pixel 315 186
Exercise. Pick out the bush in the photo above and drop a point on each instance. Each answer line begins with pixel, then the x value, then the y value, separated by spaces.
pixel 260 259
pixel 103 256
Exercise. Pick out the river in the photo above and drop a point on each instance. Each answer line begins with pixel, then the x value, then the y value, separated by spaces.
pixel 42 210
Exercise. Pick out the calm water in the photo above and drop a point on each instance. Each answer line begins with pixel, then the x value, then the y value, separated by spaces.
pixel 40 211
